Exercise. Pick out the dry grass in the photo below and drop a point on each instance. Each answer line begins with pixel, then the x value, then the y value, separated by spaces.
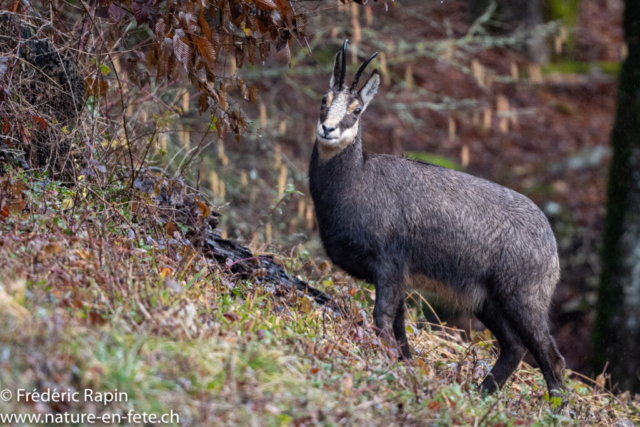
pixel 97 292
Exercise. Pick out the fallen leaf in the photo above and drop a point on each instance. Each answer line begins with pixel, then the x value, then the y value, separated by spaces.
pixel 95 318
pixel 347 384
pixel 166 271
pixel 305 305
pixel 170 228
pixel 231 317
pixel 52 248
pixel 324 266
pixel 67 204
pixel 17 188
pixel 83 254
pixel 434 406
pixel 40 121
pixel 17 206
pixel 204 209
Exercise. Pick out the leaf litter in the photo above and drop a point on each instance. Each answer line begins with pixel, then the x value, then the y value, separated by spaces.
pixel 118 291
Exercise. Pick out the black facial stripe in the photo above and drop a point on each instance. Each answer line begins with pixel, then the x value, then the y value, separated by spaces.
pixel 347 122
pixel 324 112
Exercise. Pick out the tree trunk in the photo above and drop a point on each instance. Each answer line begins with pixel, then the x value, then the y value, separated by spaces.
pixel 617 328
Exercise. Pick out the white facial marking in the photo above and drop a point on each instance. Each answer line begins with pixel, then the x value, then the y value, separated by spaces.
pixel 349 135
pixel 337 111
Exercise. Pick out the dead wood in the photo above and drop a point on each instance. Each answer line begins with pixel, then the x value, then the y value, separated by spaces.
pixel 191 210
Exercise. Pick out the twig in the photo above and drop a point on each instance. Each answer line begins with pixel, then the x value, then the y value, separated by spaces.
pixel 14 63
pixel 120 91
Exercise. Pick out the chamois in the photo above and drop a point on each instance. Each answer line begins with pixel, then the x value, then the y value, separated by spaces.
pixel 400 223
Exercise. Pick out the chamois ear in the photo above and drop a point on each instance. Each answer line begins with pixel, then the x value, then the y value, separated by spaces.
pixel 370 88
pixel 337 70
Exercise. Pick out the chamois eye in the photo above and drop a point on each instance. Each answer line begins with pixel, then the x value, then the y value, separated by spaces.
pixel 357 111
pixel 324 100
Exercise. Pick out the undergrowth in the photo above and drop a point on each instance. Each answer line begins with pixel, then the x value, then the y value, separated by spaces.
pixel 99 291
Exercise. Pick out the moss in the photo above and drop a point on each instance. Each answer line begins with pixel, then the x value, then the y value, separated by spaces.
pixel 435 159
pixel 577 67
pixel 563 10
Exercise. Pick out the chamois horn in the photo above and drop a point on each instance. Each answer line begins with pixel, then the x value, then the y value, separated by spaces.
pixel 354 85
pixel 343 71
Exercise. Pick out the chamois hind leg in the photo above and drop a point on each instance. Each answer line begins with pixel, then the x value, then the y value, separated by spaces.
pixel 389 311
pixel 528 316
pixel 400 330
pixel 512 349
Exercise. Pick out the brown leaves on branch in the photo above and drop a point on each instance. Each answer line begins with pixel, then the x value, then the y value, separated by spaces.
pixel 97 87
pixel 200 38
pixel 116 13
pixel 266 5
pixel 145 12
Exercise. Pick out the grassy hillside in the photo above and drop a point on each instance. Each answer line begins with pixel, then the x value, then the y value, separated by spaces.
pixel 100 291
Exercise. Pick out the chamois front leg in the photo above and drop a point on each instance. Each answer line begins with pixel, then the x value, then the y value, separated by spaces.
pixel 389 313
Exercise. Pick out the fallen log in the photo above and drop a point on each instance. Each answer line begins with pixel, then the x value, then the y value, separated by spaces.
pixel 243 262
pixel 193 211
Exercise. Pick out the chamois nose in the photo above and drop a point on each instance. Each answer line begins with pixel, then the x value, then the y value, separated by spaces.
pixel 327 130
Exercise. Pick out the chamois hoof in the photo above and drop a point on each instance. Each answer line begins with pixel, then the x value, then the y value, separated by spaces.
pixel 554 395
pixel 487 387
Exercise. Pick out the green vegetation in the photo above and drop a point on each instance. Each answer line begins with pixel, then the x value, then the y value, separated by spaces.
pixel 92 298
pixel 577 67
pixel 435 159
pixel 563 10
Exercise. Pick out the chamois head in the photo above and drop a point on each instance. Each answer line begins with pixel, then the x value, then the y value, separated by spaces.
pixel 343 105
